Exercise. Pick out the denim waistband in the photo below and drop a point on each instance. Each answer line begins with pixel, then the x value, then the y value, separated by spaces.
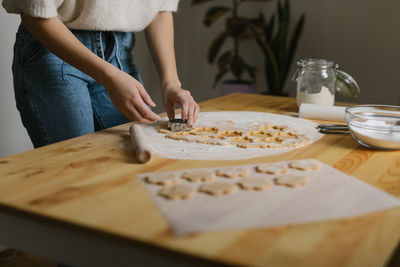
pixel 105 44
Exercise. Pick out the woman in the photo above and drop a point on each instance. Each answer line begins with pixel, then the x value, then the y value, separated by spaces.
pixel 74 72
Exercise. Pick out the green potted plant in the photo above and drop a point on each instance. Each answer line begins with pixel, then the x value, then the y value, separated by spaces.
pixel 237 28
pixel 277 45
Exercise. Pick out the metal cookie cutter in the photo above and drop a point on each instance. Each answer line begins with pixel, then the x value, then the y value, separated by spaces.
pixel 333 129
pixel 179 125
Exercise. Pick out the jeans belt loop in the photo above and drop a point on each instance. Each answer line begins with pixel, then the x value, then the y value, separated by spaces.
pixel 117 51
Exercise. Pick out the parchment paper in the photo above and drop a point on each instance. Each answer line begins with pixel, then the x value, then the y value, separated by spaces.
pixel 330 194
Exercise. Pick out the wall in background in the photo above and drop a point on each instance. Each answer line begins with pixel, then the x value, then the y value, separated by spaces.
pixel 13 136
pixel 361 35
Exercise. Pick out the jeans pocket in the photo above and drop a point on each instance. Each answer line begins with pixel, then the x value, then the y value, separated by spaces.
pixel 29 48
pixel 32 53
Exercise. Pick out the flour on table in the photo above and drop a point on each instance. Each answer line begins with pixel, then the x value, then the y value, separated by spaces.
pixel 248 136
pixel 224 126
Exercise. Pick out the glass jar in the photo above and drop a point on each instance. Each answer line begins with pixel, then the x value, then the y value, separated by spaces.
pixel 319 79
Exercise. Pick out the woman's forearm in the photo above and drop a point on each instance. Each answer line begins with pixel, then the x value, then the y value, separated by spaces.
pixel 160 40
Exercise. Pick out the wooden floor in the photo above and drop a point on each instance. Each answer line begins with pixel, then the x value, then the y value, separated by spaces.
pixel 27 260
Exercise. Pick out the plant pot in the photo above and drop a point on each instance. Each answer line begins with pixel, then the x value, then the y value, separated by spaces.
pixel 237 87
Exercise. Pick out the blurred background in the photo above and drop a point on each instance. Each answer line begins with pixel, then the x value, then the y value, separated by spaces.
pixel 362 36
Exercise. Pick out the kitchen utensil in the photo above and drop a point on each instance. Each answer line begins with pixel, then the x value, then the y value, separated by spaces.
pixel 375 126
pixel 179 125
pixel 333 128
pixel 322 112
pixel 139 142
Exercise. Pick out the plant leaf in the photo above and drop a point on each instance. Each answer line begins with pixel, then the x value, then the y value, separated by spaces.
pixel 279 42
pixel 215 46
pixel 292 46
pixel 269 29
pixel 250 70
pixel 219 76
pixel 258 22
pixel 213 14
pixel 271 65
pixel 224 60
pixel 237 66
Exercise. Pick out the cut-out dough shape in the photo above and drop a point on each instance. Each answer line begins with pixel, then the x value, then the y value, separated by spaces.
pixel 259 184
pixel 305 165
pixel 177 192
pixel 199 176
pixel 165 179
pixel 262 135
pixel 272 168
pixel 218 188
pixel 291 180
pixel 233 172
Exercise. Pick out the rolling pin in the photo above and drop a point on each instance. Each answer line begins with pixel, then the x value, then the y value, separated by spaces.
pixel 321 112
pixel 140 145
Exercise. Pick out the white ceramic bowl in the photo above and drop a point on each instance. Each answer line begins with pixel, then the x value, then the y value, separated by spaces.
pixel 375 126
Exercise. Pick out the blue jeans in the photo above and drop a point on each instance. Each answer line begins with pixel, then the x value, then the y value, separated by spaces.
pixel 55 100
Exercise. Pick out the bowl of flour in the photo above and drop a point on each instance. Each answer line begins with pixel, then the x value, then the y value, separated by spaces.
pixel 375 126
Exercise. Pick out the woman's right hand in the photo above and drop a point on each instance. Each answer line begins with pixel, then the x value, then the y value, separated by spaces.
pixel 130 97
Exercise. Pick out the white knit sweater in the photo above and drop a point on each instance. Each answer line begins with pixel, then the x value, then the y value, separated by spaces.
pixel 106 15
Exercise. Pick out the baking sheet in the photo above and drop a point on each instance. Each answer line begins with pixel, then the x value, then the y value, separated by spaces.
pixel 330 194
pixel 179 149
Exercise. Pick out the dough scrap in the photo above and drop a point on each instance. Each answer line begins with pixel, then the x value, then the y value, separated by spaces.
pixel 259 184
pixel 166 179
pixel 292 180
pixel 218 188
pixel 199 176
pixel 177 192
pixel 251 145
pixel 300 140
pixel 272 168
pixel 189 138
pixel 305 165
pixel 233 172
pixel 163 128
pixel 252 135
pixel 213 141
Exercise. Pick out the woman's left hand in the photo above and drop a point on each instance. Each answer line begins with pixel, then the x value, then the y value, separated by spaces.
pixel 173 95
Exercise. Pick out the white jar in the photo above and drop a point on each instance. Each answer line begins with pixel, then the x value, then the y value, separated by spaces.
pixel 319 79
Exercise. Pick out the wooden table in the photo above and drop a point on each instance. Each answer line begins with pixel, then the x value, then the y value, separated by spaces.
pixel 79 201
